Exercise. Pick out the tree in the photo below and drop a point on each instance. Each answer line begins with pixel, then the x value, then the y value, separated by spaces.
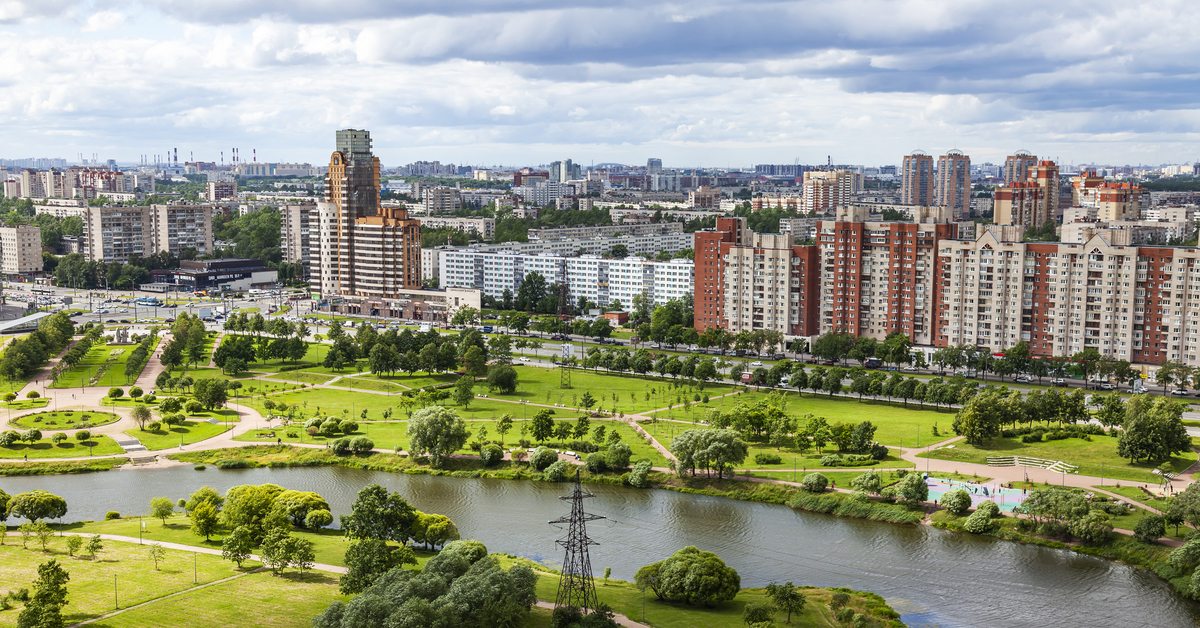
pixel 502 377
pixel 434 530
pixel 211 393
pixel 156 553
pixel 464 391
pixel 913 488
pixel 44 609
pixel 786 597
pixel 1153 430
pixel 543 426
pixel 503 426
pixel 869 482
pixel 379 515
pixel 980 419
pixel 274 549
pixel 36 505
pixel 296 505
pixel 692 576
pixel 437 432
pixel 94 545
pixel 708 449
pixel 366 561
pixel 957 501
pixel 1150 527
pixel 161 508
pixel 204 520
pixel 1112 410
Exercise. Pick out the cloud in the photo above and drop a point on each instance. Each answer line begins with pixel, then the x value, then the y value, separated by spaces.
pixel 704 81
pixel 104 21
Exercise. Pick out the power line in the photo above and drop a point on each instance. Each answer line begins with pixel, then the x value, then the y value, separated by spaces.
pixel 575 586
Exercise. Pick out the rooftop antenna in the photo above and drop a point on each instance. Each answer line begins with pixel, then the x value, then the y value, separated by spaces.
pixel 575 586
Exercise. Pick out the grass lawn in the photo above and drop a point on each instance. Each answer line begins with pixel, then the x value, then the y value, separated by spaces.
pixel 189 432
pixel 369 384
pixel 1097 457
pixel 287 601
pixel 896 425
pixel 69 448
pixel 311 362
pixel 90 591
pixel 204 372
pixel 63 419
pixel 104 365
pixel 302 377
pixel 1134 494
pixel 26 404
pixel 388 435
pixel 402 382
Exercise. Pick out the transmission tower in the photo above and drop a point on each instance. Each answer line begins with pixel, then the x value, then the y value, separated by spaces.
pixel 575 587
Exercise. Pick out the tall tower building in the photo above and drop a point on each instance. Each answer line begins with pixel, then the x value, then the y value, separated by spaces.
pixel 1045 175
pixel 1017 167
pixel 365 250
pixel 653 165
pixel 917 180
pixel 1022 203
pixel 954 183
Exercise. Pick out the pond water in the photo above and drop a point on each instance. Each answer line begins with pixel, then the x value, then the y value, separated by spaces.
pixel 931 576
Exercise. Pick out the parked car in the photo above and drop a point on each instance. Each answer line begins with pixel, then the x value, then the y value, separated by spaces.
pixel 830 363
pixel 522 359
pixel 1058 381
pixel 1179 391
pixel 940 372
pixel 756 363
pixel 1022 380
pixel 1106 386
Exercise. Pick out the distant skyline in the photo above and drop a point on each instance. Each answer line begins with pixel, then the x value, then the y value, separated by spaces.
pixel 706 83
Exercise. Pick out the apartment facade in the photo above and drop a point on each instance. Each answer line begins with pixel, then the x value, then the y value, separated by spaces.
pixel 1140 304
pixel 1023 203
pixel 604 231
pixel 954 183
pixel 297 225
pixel 20 250
pixel 1018 166
pixel 114 233
pixel 917 182
pixel 485 227
pixel 598 279
pixel 364 251
pixel 826 190
pixel 441 200
pixel 876 278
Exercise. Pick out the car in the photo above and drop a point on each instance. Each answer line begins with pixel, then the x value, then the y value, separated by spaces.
pixel 616 343
pixel 522 359
pixel 830 363
pixel 76 313
pixel 1106 386
pixel 1022 380
pixel 169 320
pixel 939 372
pixel 756 363
pixel 125 321
pixel 1058 381
pixel 111 320
pixel 1179 391
pixel 908 368
pixel 654 345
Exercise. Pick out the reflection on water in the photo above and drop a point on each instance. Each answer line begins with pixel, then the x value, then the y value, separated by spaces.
pixel 931 576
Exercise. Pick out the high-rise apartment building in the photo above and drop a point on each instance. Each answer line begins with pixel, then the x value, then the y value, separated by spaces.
pixel 879 277
pixel 1022 203
pixel 917 180
pixel 297 225
pixel 366 250
pixel 954 183
pixel 826 190
pixel 20 250
pixel 1127 302
pixel 1018 166
pixel 115 233
pixel 748 281
pixel 441 200
pixel 221 190
pixel 1112 201
pixel 1045 175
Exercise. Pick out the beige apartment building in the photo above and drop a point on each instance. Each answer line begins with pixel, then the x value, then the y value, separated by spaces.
pixel 826 190
pixel 1140 304
pixel 296 224
pixel 954 183
pixel 1018 166
pixel 20 250
pixel 1022 203
pixel 917 181
pixel 115 233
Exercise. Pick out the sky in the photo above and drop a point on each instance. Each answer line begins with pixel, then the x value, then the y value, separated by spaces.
pixel 524 82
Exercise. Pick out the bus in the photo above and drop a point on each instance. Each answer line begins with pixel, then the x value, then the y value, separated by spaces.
pixel 41 290
pixel 149 301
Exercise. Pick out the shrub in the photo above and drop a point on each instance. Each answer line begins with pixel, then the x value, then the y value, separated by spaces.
pixel 542 457
pixel 331 427
pixel 491 455
pixel 617 456
pixel 112 514
pixel 957 501
pixel 9 438
pixel 318 519
pixel 596 463
pixel 33 394
pixel 1035 437
pixel 58 437
pixel 340 446
pixel 313 430
pixel 361 444
pixel 846 615
pixel 151 398
pixel 193 407
pixel 989 507
pixel 199 467
pixel 1150 528
pixel 639 477
pixel 154 426
pixel 877 452
pixel 115 393
pixel 815 483
pixel 839 601
pixel 767 458
pixel 82 435
pixel 557 472
pixel 135 392
pixel 348 427
pixel 979 522
pixel 313 422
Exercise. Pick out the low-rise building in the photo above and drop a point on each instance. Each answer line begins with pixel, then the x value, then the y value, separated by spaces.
pixel 229 274
pixel 484 227
pixel 20 250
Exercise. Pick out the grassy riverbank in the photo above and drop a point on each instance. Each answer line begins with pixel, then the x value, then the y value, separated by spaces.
pixel 55 468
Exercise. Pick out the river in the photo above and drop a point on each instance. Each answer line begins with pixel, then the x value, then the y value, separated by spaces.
pixel 930 576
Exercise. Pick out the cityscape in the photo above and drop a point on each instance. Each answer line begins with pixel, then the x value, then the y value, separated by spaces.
pixel 477 330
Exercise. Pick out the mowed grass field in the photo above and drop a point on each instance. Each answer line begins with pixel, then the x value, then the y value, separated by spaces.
pixel 1097 457
pixel 69 448
pixel 189 432
pixel 391 435
pixel 104 365
pixel 896 425
pixel 90 590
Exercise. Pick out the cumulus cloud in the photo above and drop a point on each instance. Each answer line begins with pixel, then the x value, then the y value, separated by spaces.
pixel 703 81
